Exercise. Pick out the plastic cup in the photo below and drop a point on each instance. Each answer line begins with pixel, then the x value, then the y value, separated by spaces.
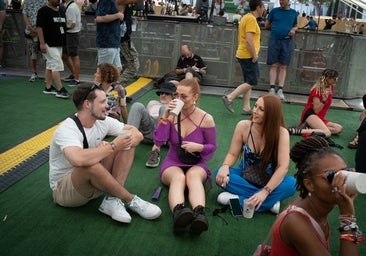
pixel 248 209
pixel 355 182
pixel 178 107
pixel 126 133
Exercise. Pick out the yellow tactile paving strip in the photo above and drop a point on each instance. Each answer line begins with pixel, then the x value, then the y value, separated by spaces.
pixel 18 154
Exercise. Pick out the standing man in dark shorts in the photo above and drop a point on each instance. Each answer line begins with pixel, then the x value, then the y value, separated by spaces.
pixel 282 21
pixel 249 35
pixel 71 51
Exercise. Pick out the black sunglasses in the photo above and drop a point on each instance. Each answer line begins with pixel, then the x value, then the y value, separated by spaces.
pixel 92 88
pixel 330 174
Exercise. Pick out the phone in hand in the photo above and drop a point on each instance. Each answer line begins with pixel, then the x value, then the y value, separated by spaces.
pixel 235 207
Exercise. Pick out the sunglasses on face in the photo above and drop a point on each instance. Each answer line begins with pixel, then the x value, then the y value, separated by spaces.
pixel 329 175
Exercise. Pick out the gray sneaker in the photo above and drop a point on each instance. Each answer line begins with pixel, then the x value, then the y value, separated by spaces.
pixel 228 104
pixel 154 159
pixel 280 94
pixel 272 90
pixel 33 78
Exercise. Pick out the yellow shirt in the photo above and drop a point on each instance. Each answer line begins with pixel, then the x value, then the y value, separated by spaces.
pixel 248 24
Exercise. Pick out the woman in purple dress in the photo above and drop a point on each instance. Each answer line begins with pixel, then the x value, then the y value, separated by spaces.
pixel 198 134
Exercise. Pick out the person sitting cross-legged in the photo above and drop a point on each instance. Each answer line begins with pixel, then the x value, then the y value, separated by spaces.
pixel 83 166
pixel 145 119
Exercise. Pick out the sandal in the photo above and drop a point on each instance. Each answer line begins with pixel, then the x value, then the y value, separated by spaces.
pixel 354 143
pixel 293 130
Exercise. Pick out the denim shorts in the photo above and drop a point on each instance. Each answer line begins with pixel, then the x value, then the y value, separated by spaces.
pixel 250 71
pixel 279 51
pixel 109 55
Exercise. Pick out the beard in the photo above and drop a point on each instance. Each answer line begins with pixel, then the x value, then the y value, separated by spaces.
pixel 98 115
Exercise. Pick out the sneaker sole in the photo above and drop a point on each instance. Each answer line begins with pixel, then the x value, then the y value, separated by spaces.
pixel 49 93
pixel 62 96
pixel 152 165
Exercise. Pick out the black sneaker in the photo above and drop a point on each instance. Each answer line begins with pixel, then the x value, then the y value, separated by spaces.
pixel 199 223
pixel 182 218
pixel 74 83
pixel 51 90
pixel 69 78
pixel 62 93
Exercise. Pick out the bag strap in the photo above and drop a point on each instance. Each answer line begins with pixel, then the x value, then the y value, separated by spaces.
pixel 78 123
pixel 179 130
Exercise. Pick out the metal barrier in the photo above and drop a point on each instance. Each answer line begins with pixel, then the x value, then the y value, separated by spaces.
pixel 158 44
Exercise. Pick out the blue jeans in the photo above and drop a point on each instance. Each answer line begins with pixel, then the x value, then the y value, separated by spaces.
pixel 239 186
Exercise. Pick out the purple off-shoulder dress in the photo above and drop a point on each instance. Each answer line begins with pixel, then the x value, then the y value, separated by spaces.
pixel 168 132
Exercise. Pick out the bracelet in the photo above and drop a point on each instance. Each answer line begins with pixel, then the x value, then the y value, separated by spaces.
pixel 114 147
pixel 225 164
pixel 352 238
pixel 269 191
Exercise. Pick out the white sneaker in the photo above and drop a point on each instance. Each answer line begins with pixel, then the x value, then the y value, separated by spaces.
pixel 145 209
pixel 275 208
pixel 224 197
pixel 272 90
pixel 115 208
pixel 280 94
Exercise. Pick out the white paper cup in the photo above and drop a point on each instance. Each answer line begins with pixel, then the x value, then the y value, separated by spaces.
pixel 126 133
pixel 248 209
pixel 178 107
pixel 355 182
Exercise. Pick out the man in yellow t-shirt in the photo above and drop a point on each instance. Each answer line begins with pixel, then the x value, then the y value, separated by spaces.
pixel 247 55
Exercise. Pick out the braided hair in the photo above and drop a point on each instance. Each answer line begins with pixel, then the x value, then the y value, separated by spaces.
pixel 306 154
pixel 322 84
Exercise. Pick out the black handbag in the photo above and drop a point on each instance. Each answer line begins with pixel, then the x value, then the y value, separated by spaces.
pixel 183 155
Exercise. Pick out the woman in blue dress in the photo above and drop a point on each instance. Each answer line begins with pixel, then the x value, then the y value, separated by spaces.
pixel 262 143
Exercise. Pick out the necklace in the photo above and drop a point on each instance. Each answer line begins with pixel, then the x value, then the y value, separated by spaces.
pixel 324 225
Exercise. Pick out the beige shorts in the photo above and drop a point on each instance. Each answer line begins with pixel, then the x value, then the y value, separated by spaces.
pixel 66 195
pixel 53 58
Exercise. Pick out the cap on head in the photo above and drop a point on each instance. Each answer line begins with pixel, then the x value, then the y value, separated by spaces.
pixel 167 87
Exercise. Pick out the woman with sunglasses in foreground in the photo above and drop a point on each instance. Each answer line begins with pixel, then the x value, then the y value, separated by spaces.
pixel 303 228
pixel 198 135
pixel 318 103
pixel 263 144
